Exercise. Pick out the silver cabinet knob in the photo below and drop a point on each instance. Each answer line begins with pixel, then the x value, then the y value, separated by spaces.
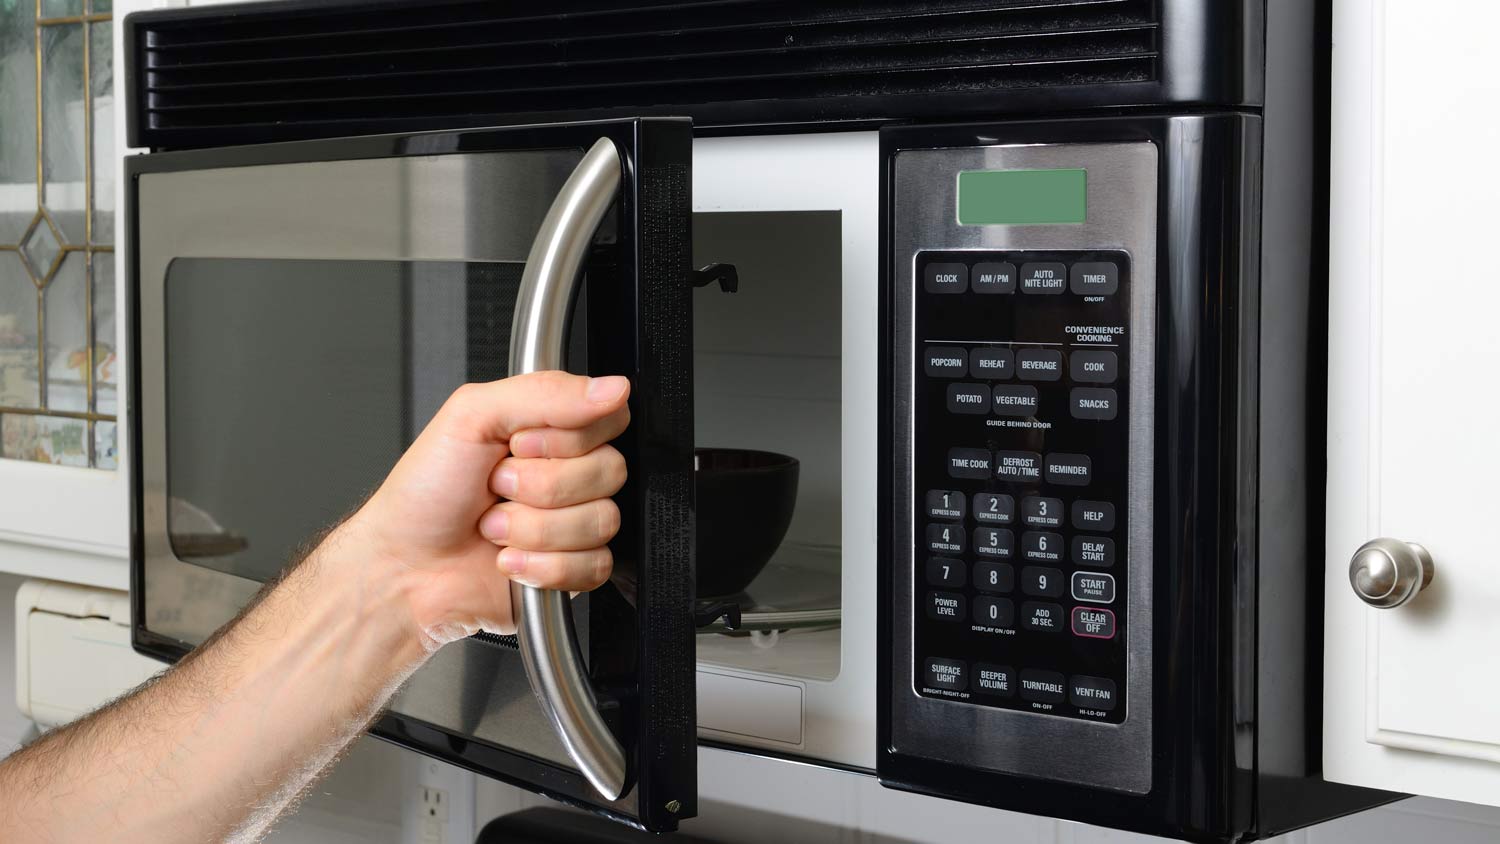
pixel 1387 573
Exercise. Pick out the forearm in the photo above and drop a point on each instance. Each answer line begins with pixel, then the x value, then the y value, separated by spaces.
pixel 219 745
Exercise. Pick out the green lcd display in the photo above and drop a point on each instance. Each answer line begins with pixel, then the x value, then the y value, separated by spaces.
pixel 1022 197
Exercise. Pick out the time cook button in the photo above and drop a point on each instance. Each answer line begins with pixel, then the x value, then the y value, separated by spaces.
pixel 969 463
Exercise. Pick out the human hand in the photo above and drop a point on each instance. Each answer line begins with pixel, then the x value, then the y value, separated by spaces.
pixel 511 480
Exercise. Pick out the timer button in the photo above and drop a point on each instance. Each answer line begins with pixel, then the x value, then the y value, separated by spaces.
pixel 1045 278
pixel 994 278
pixel 945 278
pixel 1094 278
pixel 946 361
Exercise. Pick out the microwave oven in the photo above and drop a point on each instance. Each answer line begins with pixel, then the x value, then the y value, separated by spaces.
pixel 1032 291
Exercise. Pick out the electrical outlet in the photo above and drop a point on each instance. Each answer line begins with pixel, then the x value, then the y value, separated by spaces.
pixel 439 803
pixel 434 803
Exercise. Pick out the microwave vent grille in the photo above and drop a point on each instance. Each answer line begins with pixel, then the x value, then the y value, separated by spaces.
pixel 283 71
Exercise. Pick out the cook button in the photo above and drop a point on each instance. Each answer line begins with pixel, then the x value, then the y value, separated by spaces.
pixel 1093 623
pixel 946 674
pixel 995 509
pixel 1093 551
pixel 969 463
pixel 1094 278
pixel 968 398
pixel 994 577
pixel 1092 366
pixel 1041 547
pixel 1093 403
pixel 1093 587
pixel 997 680
pixel 1093 515
pixel 1091 693
pixel 1069 469
pixel 994 364
pixel 942 571
pixel 945 278
pixel 1042 582
pixel 1048 278
pixel 996 543
pixel 990 611
pixel 1018 465
pixel 995 278
pixel 945 606
pixel 1042 686
pixel 945 539
pixel 1015 401
pixel 1041 512
pixel 1047 618
pixel 947 361
pixel 945 504
pixel 1039 364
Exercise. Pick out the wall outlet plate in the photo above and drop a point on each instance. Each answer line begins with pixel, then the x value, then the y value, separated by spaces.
pixel 437 803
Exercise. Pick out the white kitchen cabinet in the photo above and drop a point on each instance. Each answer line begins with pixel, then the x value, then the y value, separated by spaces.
pixel 1412 692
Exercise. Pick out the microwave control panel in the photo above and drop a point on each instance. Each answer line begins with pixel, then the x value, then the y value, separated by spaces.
pixel 1020 467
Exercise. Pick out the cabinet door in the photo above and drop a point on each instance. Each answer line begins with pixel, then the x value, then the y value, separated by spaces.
pixel 1412 691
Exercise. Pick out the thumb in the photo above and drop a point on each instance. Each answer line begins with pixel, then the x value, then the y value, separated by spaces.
pixel 492 412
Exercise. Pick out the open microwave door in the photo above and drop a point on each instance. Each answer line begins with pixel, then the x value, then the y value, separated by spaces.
pixel 299 311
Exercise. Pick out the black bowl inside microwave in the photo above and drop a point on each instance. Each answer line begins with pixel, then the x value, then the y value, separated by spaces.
pixel 745 501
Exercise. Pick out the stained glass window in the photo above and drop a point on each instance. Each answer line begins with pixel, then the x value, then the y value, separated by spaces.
pixel 58 362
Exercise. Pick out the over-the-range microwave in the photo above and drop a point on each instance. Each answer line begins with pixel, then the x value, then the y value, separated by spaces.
pixel 1033 293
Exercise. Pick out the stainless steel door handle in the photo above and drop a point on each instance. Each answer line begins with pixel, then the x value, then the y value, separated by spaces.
pixel 549 646
pixel 1387 573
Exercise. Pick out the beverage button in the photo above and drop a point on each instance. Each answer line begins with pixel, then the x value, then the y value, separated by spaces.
pixel 1039 364
pixel 945 278
pixel 995 543
pixel 1092 586
pixel 1018 465
pixel 1092 366
pixel 1091 693
pixel 1094 515
pixel 945 539
pixel 1099 403
pixel 996 680
pixel 946 361
pixel 1041 547
pixel 945 504
pixel 990 611
pixel 969 398
pixel 994 278
pixel 1094 551
pixel 994 577
pixel 1042 686
pixel 1015 401
pixel 1045 277
pixel 945 606
pixel 1094 278
pixel 942 571
pixel 1041 582
pixel 1041 512
pixel 969 463
pixel 1047 618
pixel 1069 469
pixel 994 364
pixel 994 509
pixel 946 674
pixel 1093 623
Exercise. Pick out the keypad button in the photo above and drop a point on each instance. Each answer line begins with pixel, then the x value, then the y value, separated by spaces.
pixel 1041 512
pixel 994 612
pixel 1046 618
pixel 1015 401
pixel 994 278
pixel 1092 366
pixel 1095 693
pixel 945 278
pixel 1069 469
pixel 1044 277
pixel 1094 587
pixel 946 606
pixel 1093 623
pixel 946 674
pixel 1039 546
pixel 945 539
pixel 994 364
pixel 994 577
pixel 1042 686
pixel 1094 551
pixel 969 398
pixel 996 543
pixel 974 463
pixel 1094 278
pixel 994 509
pixel 942 571
pixel 1042 582
pixel 1039 364
pixel 1094 515
pixel 945 504
pixel 994 680
pixel 1018 465
pixel 1098 403
pixel 946 361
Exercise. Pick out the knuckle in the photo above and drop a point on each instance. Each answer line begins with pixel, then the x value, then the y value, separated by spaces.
pixel 546 487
